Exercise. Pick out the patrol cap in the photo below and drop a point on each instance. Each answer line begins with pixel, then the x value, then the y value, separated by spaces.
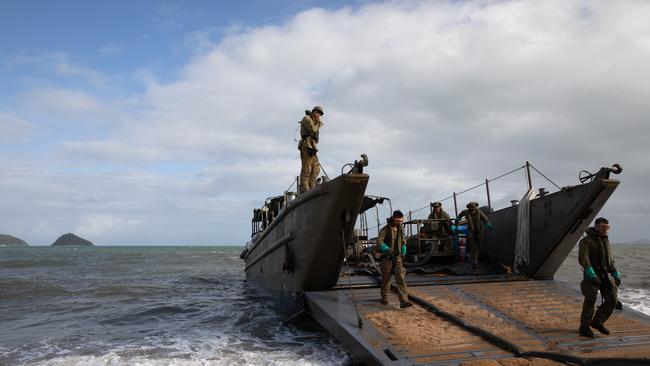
pixel 472 205
pixel 436 204
pixel 318 109
pixel 398 213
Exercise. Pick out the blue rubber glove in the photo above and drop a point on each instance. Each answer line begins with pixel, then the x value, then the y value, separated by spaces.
pixel 384 248
pixel 489 226
pixel 617 278
pixel 404 249
pixel 590 274
pixel 453 228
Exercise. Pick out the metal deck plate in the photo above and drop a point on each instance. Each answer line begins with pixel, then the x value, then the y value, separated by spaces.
pixel 533 315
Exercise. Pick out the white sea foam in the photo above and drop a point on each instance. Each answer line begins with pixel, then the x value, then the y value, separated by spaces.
pixel 260 357
pixel 637 299
pixel 213 349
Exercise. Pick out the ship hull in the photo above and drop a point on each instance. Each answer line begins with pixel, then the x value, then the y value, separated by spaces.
pixel 303 248
pixel 556 223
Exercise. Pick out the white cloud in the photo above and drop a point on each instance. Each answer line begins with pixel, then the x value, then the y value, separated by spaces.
pixel 93 77
pixel 61 65
pixel 440 95
pixel 492 73
pixel 110 49
pixel 114 150
pixel 13 128
pixel 96 225
pixel 61 104
pixel 200 41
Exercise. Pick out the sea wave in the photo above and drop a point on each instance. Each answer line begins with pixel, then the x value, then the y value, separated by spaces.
pixel 21 288
pixel 637 299
pixel 206 350
pixel 27 263
pixel 317 358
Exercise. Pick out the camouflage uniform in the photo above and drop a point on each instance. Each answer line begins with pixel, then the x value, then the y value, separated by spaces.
pixel 308 147
pixel 594 251
pixel 475 219
pixel 394 238
pixel 439 228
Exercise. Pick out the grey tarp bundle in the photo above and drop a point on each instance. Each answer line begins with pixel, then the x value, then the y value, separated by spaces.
pixel 522 249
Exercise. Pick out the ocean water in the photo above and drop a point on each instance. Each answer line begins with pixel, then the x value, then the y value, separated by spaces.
pixel 144 306
pixel 176 306
pixel 632 261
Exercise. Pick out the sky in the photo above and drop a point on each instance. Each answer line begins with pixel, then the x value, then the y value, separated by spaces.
pixel 168 122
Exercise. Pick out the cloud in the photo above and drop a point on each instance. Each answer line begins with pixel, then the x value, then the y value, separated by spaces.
pixel 463 69
pixel 110 49
pixel 61 104
pixel 116 208
pixel 114 150
pixel 94 78
pixel 200 41
pixel 96 225
pixel 60 64
pixel 440 95
pixel 25 59
pixel 13 128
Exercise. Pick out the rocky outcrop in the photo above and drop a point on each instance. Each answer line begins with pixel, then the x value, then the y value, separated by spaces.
pixel 71 240
pixel 11 241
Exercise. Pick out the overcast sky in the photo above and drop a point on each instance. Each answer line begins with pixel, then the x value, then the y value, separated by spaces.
pixel 167 123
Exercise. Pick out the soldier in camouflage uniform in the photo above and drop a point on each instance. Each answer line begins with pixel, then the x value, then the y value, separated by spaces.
pixel 595 256
pixel 475 220
pixel 308 146
pixel 439 229
pixel 392 246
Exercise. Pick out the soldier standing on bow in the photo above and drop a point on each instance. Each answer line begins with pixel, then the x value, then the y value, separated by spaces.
pixel 308 146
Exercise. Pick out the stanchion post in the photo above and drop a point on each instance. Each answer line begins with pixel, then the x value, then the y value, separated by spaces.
pixel 530 181
pixel 487 189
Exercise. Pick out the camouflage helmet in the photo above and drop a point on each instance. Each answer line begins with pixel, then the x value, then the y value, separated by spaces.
pixel 318 109
pixel 472 205
pixel 436 204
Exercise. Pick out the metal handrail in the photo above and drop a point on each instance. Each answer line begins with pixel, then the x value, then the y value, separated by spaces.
pixel 526 166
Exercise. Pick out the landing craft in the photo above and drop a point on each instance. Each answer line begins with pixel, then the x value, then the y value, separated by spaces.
pixel 298 244
pixel 307 253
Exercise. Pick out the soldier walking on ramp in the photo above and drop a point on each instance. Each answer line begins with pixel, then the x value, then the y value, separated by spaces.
pixel 392 246
pixel 595 256
pixel 308 146
pixel 475 219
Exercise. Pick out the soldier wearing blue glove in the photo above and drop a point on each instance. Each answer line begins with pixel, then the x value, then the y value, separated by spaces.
pixel 392 246
pixel 475 220
pixel 595 257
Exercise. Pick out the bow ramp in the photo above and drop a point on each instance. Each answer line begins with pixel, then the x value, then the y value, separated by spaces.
pixel 501 320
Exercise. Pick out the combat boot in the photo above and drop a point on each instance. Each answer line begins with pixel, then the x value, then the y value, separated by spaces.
pixel 383 302
pixel 600 327
pixel 405 304
pixel 584 330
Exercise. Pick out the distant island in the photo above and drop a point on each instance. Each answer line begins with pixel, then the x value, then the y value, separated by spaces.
pixel 641 241
pixel 71 240
pixel 11 241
